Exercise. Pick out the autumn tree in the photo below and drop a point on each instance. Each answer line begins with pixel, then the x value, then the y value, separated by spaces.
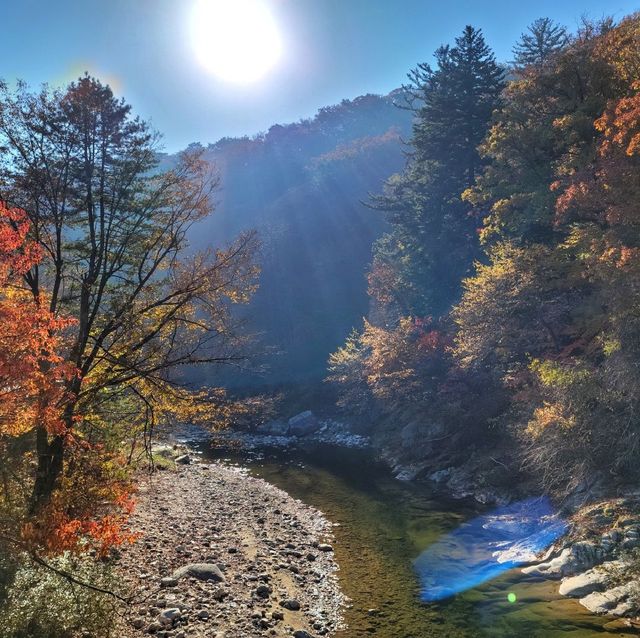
pixel 33 375
pixel 400 367
pixel 112 231
pixel 554 310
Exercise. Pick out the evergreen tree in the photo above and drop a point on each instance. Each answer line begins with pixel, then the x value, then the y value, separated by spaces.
pixel 434 241
pixel 542 39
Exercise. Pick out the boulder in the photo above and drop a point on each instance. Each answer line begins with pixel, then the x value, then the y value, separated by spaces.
pixel 408 472
pixel 441 476
pixel 201 571
pixel 611 601
pixel 631 538
pixel 274 428
pixel 410 435
pixel 583 584
pixel 185 459
pixel 303 424
pixel 572 560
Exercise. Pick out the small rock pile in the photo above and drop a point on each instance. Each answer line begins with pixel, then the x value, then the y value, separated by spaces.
pixel 225 555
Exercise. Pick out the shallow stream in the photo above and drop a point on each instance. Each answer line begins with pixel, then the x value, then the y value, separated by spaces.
pixel 383 525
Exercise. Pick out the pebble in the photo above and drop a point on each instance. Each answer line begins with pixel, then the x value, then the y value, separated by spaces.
pixel 169 615
pixel 168 582
pixel 204 567
pixel 263 591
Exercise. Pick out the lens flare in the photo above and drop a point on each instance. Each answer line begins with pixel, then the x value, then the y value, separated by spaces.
pixel 487 546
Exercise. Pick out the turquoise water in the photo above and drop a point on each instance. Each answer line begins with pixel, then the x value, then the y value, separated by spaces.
pixel 383 525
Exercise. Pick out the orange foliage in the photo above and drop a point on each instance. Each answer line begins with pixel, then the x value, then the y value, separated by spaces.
pixel 68 522
pixel 33 380
pixel 607 191
pixel 621 126
pixel 32 374
pixel 382 280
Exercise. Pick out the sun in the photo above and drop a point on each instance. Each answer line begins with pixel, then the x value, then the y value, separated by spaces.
pixel 237 40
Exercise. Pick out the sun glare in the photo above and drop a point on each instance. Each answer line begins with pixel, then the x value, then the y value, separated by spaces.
pixel 236 40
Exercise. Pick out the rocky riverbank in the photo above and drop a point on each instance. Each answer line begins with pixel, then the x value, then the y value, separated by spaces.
pixel 598 562
pixel 222 554
pixel 303 429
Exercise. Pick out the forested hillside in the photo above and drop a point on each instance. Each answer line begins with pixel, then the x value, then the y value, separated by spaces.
pixel 301 187
pixel 505 297
pixel 375 372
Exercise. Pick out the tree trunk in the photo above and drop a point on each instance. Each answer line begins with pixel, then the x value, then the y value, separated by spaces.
pixel 50 462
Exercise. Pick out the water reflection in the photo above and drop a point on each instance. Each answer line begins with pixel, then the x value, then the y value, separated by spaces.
pixel 487 546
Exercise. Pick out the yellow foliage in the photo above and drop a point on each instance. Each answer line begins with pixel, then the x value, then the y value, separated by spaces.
pixel 549 415
pixel 554 374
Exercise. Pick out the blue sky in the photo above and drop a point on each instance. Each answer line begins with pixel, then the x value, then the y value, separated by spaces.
pixel 332 49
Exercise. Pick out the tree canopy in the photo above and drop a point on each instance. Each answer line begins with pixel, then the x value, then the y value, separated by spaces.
pixel 434 241
pixel 547 322
pixel 113 287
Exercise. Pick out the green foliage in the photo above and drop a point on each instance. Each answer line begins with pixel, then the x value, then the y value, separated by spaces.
pixel 543 39
pixel 554 374
pixel 38 603
pixel 420 264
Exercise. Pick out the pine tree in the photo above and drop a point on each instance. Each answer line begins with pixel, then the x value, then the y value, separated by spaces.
pixel 434 241
pixel 542 39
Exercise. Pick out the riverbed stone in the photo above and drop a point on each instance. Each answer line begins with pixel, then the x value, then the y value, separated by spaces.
pixel 410 435
pixel 303 424
pixel 631 538
pixel 263 591
pixel 609 601
pixel 169 615
pixel 577 558
pixel 203 514
pixel 441 476
pixel 168 581
pixel 274 428
pixel 201 571
pixel 583 584
pixel 291 604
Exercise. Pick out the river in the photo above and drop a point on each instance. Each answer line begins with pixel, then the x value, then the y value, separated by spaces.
pixel 381 526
